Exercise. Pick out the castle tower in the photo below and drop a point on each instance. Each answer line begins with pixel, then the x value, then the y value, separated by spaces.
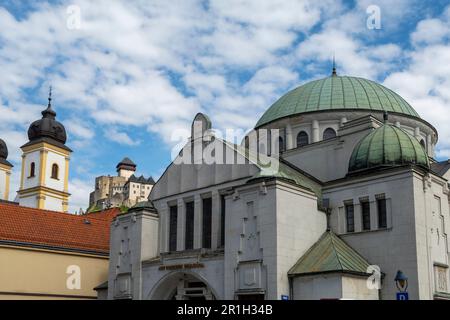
pixel 5 171
pixel 44 180
pixel 126 168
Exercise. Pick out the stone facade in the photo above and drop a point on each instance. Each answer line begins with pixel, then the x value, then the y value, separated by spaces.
pixel 234 231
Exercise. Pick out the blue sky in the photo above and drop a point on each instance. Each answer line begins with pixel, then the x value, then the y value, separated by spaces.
pixel 129 74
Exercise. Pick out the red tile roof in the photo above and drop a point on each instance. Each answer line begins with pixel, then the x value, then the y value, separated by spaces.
pixel 32 226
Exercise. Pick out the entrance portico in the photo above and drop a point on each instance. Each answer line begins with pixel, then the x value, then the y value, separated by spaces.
pixel 182 286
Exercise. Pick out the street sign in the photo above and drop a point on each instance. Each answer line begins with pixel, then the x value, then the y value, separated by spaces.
pixel 402 296
pixel 284 297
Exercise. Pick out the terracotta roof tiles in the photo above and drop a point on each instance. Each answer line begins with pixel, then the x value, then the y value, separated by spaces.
pixel 33 226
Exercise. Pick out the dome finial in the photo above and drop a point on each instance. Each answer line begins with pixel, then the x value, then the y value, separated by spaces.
pixel 334 66
pixel 49 97
pixel 49 113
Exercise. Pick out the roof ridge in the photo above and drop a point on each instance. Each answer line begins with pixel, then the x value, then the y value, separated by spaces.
pixel 331 235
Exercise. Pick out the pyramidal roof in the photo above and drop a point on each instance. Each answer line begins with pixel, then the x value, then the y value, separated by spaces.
pixel 330 254
pixel 141 179
pixel 126 161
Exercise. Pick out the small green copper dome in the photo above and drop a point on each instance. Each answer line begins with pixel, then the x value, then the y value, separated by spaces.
pixel 337 93
pixel 387 146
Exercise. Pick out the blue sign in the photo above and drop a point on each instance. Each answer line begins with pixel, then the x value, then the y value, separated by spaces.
pixel 284 297
pixel 402 296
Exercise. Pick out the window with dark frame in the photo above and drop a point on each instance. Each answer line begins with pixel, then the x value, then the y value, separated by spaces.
pixel 222 221
pixel 365 212
pixel 55 170
pixel 302 139
pixel 173 221
pixel 32 169
pixel 189 239
pixel 280 145
pixel 382 213
pixel 206 223
pixel 329 133
pixel 350 217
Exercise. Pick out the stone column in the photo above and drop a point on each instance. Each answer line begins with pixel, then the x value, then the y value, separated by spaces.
pixel 215 223
pixel 417 133
pixel 289 137
pixel 315 131
pixel 373 215
pixel 181 223
pixel 164 228
pixel 357 216
pixel 430 145
pixel 198 221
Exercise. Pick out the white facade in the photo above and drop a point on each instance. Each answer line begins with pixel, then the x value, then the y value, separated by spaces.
pixel 44 180
pixel 30 180
pixel 3 184
pixel 262 224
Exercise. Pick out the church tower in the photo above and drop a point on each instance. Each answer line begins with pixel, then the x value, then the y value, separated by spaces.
pixel 5 171
pixel 44 182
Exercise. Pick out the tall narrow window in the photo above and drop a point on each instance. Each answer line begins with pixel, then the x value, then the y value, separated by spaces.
pixel 350 217
pixel 55 171
pixel 280 144
pixel 189 240
pixel 329 133
pixel 222 221
pixel 207 220
pixel 422 143
pixel 302 139
pixel 365 213
pixel 32 169
pixel 382 216
pixel 173 221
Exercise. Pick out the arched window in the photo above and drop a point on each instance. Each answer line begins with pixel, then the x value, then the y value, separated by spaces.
pixel 280 144
pixel 329 133
pixel 55 170
pixel 302 139
pixel 422 143
pixel 32 169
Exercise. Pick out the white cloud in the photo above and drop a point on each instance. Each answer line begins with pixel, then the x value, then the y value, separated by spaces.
pixel 78 129
pixel 430 31
pixel 79 194
pixel 137 65
pixel 425 82
pixel 120 137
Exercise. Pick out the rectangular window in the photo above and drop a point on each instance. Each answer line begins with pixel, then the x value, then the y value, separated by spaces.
pixel 350 217
pixel 365 212
pixel 206 223
pixel 382 216
pixel 189 240
pixel 173 221
pixel 222 221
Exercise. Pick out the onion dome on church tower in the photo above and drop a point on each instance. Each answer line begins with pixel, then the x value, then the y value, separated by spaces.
pixel 387 146
pixel 47 129
pixel 4 153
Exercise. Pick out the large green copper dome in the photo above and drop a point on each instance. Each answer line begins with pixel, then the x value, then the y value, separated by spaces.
pixel 337 93
pixel 387 146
